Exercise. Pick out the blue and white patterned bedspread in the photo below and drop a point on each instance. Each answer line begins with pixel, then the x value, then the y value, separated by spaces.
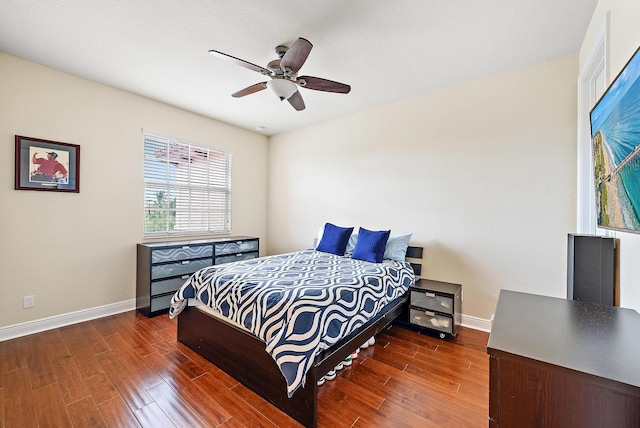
pixel 298 303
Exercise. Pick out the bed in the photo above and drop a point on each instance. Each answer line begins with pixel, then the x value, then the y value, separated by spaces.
pixel 308 310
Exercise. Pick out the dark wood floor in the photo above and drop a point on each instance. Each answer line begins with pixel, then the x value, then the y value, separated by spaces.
pixel 128 370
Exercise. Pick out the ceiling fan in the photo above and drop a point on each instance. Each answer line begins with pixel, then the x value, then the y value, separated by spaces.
pixel 284 74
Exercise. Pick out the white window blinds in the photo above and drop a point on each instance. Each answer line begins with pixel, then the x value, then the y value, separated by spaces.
pixel 187 189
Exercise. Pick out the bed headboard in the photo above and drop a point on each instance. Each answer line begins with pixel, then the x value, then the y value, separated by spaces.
pixel 414 254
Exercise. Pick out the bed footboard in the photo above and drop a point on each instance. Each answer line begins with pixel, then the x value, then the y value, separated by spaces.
pixel 243 356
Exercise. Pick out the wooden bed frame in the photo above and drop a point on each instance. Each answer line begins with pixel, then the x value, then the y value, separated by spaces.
pixel 242 355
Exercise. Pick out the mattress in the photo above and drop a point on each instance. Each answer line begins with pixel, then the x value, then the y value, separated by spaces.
pixel 204 308
pixel 298 303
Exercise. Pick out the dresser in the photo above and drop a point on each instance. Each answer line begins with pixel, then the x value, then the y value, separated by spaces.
pixel 162 267
pixel 563 363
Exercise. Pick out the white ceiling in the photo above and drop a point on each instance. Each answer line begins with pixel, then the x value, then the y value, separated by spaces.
pixel 386 50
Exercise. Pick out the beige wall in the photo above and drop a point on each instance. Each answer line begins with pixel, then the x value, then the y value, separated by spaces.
pixel 623 38
pixel 482 173
pixel 77 251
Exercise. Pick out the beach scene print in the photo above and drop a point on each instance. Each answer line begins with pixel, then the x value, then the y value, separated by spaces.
pixel 615 136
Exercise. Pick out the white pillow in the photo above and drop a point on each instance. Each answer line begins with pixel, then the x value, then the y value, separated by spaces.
pixel 396 248
pixel 351 245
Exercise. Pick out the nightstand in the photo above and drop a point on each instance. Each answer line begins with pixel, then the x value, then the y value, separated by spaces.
pixel 435 305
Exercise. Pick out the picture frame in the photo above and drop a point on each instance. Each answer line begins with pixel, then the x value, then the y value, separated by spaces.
pixel 615 138
pixel 46 165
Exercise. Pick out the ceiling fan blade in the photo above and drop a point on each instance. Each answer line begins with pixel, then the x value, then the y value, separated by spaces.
pixel 250 90
pixel 240 62
pixel 296 101
pixel 296 55
pixel 319 84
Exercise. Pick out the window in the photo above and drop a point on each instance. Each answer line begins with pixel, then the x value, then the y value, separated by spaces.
pixel 592 84
pixel 187 188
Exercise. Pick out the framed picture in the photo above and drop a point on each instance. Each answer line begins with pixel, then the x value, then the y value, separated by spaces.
pixel 615 138
pixel 47 165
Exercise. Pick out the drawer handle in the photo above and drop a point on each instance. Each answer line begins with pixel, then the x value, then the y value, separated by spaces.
pixel 185 262
pixel 430 314
pixel 186 247
pixel 238 255
pixel 430 294
pixel 185 276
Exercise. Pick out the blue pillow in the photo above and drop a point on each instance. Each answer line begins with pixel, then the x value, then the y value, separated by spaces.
pixel 351 244
pixel 370 245
pixel 334 239
pixel 397 247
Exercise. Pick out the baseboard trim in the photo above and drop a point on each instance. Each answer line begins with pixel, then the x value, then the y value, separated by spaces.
pixel 476 323
pixel 43 324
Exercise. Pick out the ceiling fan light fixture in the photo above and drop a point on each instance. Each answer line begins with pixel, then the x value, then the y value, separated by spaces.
pixel 282 88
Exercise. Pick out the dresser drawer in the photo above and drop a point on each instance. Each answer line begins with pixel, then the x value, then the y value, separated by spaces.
pixel 236 257
pixel 184 252
pixel 176 269
pixel 161 302
pixel 236 247
pixel 432 320
pixel 432 301
pixel 167 285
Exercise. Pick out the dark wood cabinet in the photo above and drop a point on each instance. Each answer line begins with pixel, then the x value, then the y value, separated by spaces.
pixel 563 363
pixel 434 305
pixel 163 267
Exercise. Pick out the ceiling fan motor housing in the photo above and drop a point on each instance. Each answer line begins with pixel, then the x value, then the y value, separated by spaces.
pixel 274 66
pixel 281 50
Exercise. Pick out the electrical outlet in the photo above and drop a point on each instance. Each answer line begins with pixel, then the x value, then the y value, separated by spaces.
pixel 29 301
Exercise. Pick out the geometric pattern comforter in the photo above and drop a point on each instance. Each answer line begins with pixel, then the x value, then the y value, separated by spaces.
pixel 298 303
